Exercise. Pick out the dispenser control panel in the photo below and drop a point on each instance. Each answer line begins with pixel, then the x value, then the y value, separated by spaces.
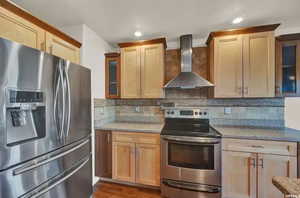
pixel 25 96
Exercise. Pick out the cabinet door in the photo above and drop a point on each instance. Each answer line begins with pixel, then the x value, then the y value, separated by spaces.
pixel 228 66
pixel 288 68
pixel 103 154
pixel 16 29
pixel 152 71
pixel 238 175
pixel 270 166
pixel 148 164
pixel 124 161
pixel 112 76
pixel 130 72
pixel 259 64
pixel 61 48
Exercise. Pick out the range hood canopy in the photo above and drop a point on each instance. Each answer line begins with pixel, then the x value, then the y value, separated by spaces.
pixel 187 79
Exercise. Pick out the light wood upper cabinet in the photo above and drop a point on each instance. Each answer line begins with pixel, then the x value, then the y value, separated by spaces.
pixel 243 65
pixel 259 64
pixel 15 28
pixel 142 73
pixel 152 71
pixel 123 154
pixel 270 166
pixel 228 59
pixel 148 164
pixel 238 175
pixel 130 72
pixel 61 48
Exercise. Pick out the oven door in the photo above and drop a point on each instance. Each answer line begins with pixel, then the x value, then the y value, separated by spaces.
pixel 192 159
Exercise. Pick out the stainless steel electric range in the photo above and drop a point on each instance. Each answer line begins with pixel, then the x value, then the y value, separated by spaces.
pixel 191 155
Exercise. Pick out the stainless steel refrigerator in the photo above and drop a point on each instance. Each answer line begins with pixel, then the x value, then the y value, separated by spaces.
pixel 45 125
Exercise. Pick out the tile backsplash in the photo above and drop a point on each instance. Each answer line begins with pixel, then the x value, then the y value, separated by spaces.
pixel 254 112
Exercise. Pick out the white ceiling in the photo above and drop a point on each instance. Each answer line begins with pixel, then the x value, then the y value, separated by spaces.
pixel 117 20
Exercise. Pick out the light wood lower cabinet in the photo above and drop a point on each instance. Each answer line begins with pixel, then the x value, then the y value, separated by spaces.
pixel 148 164
pixel 238 175
pixel 15 28
pixel 270 166
pixel 61 48
pixel 136 158
pixel 124 161
pixel 249 174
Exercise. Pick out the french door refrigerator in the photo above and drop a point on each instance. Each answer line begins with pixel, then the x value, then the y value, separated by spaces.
pixel 45 125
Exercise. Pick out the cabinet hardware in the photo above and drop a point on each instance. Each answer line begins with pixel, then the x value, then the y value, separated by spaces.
pixel 239 90
pixel 257 146
pixel 261 163
pixel 108 138
pixel 252 162
pixel 246 90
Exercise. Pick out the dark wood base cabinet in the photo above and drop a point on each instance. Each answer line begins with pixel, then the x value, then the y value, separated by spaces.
pixel 103 154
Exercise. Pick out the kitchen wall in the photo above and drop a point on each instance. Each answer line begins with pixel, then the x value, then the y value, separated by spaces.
pixel 292 112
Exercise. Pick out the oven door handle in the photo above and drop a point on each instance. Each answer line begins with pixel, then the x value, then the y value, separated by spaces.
pixel 191 186
pixel 196 140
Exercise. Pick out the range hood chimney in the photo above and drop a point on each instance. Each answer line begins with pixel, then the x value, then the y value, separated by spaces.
pixel 187 79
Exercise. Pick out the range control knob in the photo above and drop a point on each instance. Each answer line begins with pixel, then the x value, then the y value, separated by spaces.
pixel 172 112
pixel 196 113
pixel 204 113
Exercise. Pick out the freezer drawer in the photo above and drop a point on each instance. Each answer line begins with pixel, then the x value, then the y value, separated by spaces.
pixel 51 171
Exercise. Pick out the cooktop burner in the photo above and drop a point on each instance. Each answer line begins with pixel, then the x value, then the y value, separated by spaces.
pixel 193 122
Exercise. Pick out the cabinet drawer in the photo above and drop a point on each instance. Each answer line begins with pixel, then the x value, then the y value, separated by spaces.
pixel 260 146
pixel 135 137
pixel 123 137
pixel 148 139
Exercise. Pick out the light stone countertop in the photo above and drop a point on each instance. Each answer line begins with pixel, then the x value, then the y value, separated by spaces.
pixel 288 186
pixel 132 127
pixel 259 133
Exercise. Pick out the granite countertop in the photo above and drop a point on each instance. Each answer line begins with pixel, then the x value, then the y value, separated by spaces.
pixel 287 186
pixel 132 127
pixel 259 133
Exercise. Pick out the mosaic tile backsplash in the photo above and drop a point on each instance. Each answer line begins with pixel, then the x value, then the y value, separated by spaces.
pixel 268 112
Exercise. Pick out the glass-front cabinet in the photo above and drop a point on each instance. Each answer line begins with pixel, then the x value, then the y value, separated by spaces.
pixel 288 66
pixel 112 75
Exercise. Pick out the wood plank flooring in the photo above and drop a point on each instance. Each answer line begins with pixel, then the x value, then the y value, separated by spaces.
pixel 110 190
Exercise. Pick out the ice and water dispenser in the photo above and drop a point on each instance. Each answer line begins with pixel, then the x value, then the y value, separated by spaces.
pixel 25 116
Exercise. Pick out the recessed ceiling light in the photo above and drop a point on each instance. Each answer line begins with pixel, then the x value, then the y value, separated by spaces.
pixel 138 34
pixel 237 20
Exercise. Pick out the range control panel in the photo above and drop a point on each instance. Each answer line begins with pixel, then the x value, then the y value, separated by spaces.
pixel 186 113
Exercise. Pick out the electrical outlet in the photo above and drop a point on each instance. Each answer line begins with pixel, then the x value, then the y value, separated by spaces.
pixel 138 109
pixel 227 110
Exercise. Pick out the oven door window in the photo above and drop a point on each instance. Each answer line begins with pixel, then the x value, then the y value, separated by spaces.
pixel 191 156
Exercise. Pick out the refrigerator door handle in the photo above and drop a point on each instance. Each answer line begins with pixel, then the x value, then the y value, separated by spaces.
pixel 52 184
pixel 57 88
pixel 34 165
pixel 68 97
pixel 63 98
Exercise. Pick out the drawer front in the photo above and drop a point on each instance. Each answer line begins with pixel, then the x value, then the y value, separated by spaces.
pixel 134 137
pixel 123 137
pixel 260 146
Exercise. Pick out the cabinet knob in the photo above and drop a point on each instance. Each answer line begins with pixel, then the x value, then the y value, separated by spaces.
pixel 252 162
pixel 261 163
pixel 246 90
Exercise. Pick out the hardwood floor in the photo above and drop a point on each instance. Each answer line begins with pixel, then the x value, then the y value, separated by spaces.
pixel 110 190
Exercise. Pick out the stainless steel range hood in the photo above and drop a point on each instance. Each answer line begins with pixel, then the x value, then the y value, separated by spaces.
pixel 187 79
